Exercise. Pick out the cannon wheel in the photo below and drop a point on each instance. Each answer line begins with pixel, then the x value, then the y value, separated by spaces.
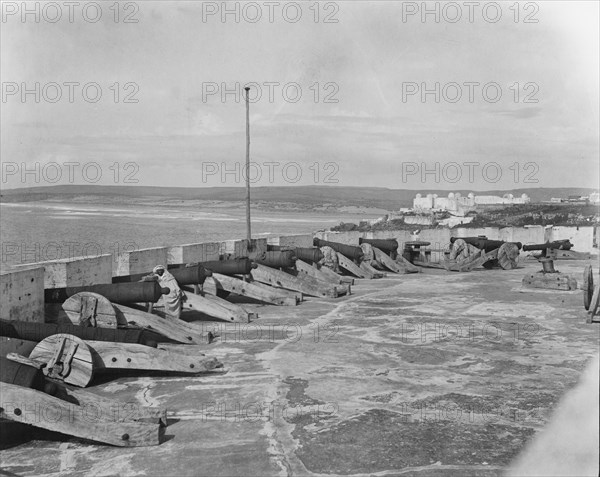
pixel 508 256
pixel 91 309
pixel 368 253
pixel 595 301
pixel 588 286
pixel 460 250
pixel 56 349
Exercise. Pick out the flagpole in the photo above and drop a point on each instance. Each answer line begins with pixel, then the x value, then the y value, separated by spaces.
pixel 248 227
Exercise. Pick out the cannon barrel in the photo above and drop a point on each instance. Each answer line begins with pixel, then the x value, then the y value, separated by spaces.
pixel 275 259
pixel 236 266
pixel 350 251
pixel 386 245
pixel 307 254
pixel 123 293
pixel 484 244
pixel 192 275
pixel 556 245
pixel 38 331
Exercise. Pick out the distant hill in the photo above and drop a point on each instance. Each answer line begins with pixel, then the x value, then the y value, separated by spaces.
pixel 390 199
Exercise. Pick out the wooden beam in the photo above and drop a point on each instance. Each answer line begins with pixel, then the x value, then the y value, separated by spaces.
pixel 329 273
pixel 136 356
pixel 279 279
pixel 351 267
pixel 408 267
pixel 342 288
pixel 218 308
pixel 268 288
pixel 119 411
pixel 38 409
pixel 309 270
pixel 552 281
pixel 251 290
pixel 386 261
pixel 176 330
pixel 368 268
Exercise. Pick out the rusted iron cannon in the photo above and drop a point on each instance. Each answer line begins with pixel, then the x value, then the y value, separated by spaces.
pixel 38 331
pixel 549 277
pixel 556 245
pixel 122 293
pixel 185 275
pixel 490 252
pixel 389 246
pixel 350 251
pixel 307 254
pixel 236 266
pixel 559 249
pixel 275 259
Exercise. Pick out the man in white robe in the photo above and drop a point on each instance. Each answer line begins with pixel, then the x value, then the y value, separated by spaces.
pixel 173 302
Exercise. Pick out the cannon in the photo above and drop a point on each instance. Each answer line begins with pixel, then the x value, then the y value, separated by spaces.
pixel 187 275
pixel 38 331
pixel 236 266
pixel 274 259
pixel 350 251
pixel 489 252
pixel 556 245
pixel 307 254
pixel 122 293
pixel 389 246
pixel 482 242
pixel 549 277
pixel 559 249
pixel 412 250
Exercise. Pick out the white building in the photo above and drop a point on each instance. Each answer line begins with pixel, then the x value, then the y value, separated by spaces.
pixel 595 198
pixel 456 204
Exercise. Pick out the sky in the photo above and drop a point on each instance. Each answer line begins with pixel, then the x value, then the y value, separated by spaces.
pixel 404 95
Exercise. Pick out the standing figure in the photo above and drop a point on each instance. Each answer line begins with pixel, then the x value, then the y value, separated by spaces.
pixel 173 302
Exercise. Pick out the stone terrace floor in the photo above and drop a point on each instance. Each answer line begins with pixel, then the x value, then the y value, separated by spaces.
pixel 437 373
